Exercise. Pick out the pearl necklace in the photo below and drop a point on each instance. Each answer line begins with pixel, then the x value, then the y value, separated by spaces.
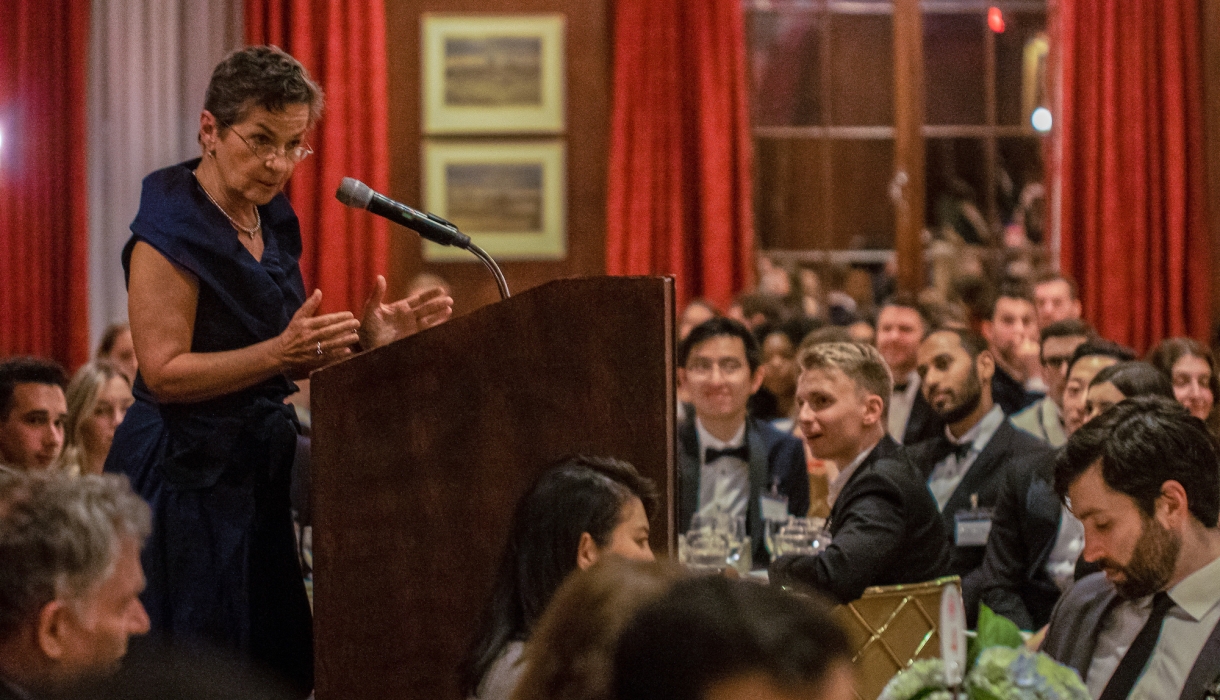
pixel 258 219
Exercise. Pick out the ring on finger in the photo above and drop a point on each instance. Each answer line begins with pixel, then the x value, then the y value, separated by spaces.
pixel 319 348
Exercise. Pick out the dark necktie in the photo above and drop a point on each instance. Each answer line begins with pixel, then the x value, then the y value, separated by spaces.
pixel 712 454
pixel 1136 658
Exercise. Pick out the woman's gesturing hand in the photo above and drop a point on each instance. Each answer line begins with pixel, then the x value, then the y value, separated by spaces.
pixel 312 341
pixel 384 323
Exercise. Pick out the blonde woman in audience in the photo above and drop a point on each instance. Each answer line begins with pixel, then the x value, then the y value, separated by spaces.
pixel 98 398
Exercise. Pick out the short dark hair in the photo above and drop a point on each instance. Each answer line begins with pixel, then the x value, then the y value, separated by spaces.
pixel 1010 289
pixel 1134 378
pixel 1142 443
pixel 27 370
pixel 1067 328
pixel 906 300
pixel 1101 348
pixel 972 341
pixel 714 328
pixel 710 629
pixel 1051 276
pixel 109 337
pixel 575 495
pixel 259 76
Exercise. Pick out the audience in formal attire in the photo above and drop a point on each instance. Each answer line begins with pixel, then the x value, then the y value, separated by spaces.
pixel 1142 478
pixel 884 524
pixel 1011 332
pixel 571 653
pixel 1044 418
pixel 98 398
pixel 711 638
pixel 32 412
pixel 775 400
pixel 901 325
pixel 966 465
pixel 1088 359
pixel 1055 299
pixel 1192 369
pixel 1033 552
pixel 116 346
pixel 578 511
pixel 70 579
pixel 729 461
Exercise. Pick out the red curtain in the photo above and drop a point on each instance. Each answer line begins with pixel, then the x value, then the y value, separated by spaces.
pixel 1134 232
pixel 44 226
pixel 679 181
pixel 342 43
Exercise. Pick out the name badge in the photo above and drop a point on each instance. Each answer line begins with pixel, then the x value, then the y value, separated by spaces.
pixel 774 506
pixel 972 527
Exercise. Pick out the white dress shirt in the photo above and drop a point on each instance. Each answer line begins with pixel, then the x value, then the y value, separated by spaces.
pixel 1185 630
pixel 724 485
pixel 1069 543
pixel 901 403
pixel 949 472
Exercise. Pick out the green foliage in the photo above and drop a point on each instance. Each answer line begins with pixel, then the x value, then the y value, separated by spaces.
pixel 993 631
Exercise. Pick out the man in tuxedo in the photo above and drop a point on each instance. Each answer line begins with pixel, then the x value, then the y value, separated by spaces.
pixel 32 412
pixel 966 465
pixel 70 579
pixel 1044 418
pixel 901 324
pixel 884 525
pixel 1142 478
pixel 729 462
pixel 1011 332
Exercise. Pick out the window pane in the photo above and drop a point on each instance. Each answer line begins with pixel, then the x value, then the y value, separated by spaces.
pixel 1020 196
pixel 785 47
pixel 954 68
pixel 1020 57
pixel 862 70
pixel 863 213
pixel 790 190
pixel 956 188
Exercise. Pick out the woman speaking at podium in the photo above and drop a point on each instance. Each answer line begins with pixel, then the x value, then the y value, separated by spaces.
pixel 221 325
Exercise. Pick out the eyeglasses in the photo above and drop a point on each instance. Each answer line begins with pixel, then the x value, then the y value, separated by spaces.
pixel 702 366
pixel 266 151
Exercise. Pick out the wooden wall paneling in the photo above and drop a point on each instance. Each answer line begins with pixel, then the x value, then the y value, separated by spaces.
pixel 954 58
pixel 587 56
pixel 861 70
pixel 909 116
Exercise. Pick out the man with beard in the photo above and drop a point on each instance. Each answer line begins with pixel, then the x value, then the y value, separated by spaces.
pixel 1142 478
pixel 966 465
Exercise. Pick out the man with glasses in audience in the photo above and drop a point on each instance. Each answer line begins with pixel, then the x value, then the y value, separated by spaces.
pixel 728 462
pixel 1044 419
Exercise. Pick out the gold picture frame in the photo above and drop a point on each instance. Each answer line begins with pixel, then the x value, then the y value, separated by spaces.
pixel 485 74
pixel 508 196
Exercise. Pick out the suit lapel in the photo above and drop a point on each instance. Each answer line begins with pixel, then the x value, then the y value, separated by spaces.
pixel 758 477
pixel 1206 669
pixel 688 473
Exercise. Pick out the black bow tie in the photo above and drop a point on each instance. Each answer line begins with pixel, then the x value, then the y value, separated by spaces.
pixel 961 450
pixel 712 454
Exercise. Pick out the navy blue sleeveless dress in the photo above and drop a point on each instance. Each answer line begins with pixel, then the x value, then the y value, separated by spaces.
pixel 221 562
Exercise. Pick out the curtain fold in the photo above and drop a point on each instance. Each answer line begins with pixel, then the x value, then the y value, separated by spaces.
pixel 1134 232
pixel 44 246
pixel 343 46
pixel 679 188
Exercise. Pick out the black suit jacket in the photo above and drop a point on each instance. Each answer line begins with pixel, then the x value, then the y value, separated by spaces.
pixel 1013 580
pixel 1009 393
pixel 776 458
pixel 1008 449
pixel 884 528
pixel 1077 619
pixel 923 423
pixel 6 693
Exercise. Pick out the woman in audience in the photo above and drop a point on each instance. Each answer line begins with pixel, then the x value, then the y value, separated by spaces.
pixel 571 654
pixel 578 511
pixel 1124 380
pixel 775 401
pixel 117 347
pixel 98 398
pixel 1191 368
pixel 222 324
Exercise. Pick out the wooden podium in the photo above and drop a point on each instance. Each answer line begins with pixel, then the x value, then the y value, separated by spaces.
pixel 422 448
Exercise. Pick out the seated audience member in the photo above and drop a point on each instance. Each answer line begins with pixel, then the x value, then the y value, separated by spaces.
pixel 729 461
pixel 1191 368
pixel 696 312
pixel 753 309
pixel 1055 299
pixel 884 525
pixel 901 325
pixel 116 346
pixel 32 412
pixel 775 400
pixel 578 511
pixel 1044 418
pixel 1088 359
pixel 98 398
pixel 1011 331
pixel 966 465
pixel 1035 544
pixel 70 579
pixel 1142 478
pixel 571 654
pixel 710 638
pixel 862 331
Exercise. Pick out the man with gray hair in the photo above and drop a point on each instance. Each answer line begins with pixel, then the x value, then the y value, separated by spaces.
pixel 70 579
pixel 884 524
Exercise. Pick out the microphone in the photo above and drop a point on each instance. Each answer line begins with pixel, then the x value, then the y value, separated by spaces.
pixel 356 194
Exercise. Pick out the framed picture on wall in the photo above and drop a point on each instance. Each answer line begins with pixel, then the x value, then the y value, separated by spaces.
pixel 508 196
pixel 493 73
